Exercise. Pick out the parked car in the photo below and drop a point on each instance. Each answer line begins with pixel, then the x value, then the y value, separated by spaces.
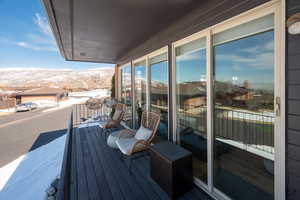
pixel 26 107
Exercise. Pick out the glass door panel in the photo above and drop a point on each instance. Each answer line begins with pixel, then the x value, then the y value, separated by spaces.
pixel 126 94
pixel 244 112
pixel 140 90
pixel 191 106
pixel 159 92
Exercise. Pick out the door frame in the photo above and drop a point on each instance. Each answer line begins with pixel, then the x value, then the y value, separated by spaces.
pixel 277 7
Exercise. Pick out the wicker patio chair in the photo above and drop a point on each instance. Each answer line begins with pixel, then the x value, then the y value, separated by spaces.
pixel 116 119
pixel 130 142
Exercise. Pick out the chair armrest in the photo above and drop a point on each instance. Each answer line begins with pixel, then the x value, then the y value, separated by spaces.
pixel 126 133
pixel 111 123
pixel 140 145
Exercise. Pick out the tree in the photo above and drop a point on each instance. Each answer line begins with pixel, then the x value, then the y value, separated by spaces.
pixel 113 89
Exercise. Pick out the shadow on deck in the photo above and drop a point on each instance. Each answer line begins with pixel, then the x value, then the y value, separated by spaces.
pixel 98 172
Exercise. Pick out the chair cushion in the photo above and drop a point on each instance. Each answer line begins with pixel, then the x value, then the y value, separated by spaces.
pixel 126 144
pixel 102 124
pixel 112 139
pixel 143 133
pixel 117 115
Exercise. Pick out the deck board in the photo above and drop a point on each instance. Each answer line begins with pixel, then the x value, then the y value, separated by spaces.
pixel 100 175
pixel 121 170
pixel 90 171
pixel 73 185
pixel 81 179
pixel 98 172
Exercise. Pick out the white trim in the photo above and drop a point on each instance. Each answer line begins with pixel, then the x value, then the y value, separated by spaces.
pixel 140 59
pixel 119 84
pixel 133 95
pixel 209 112
pixel 279 29
pixel 173 93
pixel 125 65
pixel 158 52
pixel 191 38
pixel 250 15
pixel 152 55
pixel 280 132
pixel 148 79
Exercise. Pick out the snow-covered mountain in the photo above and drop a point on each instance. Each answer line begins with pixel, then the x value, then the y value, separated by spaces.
pixel 63 78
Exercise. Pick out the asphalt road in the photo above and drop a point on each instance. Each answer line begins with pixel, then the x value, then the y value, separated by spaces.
pixel 23 132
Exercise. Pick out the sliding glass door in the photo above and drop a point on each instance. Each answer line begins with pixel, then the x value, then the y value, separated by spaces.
pixel 226 88
pixel 140 82
pixel 244 110
pixel 158 67
pixel 126 93
pixel 191 106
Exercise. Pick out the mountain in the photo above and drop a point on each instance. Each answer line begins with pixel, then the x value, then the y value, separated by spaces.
pixel 62 78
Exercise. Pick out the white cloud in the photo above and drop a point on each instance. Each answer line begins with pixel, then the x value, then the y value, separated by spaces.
pixel 260 56
pixel 260 61
pixel 41 41
pixel 22 44
pixel 43 24
pixel 188 57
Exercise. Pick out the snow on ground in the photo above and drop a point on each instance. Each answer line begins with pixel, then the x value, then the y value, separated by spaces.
pixel 91 93
pixel 29 176
pixel 71 101
pixel 80 97
pixel 7 110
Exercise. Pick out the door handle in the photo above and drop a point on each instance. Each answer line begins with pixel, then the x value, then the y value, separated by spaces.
pixel 277 108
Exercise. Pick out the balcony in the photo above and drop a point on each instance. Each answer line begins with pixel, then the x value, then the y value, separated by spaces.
pixel 93 170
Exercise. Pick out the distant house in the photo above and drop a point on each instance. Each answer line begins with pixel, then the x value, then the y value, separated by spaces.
pixel 7 101
pixel 41 95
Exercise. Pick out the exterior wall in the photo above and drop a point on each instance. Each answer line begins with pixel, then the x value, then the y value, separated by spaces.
pixel 293 107
pixel 25 99
pixel 207 14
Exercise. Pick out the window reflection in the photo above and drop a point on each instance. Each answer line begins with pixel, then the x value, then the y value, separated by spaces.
pixel 191 103
pixel 140 90
pixel 159 92
pixel 126 94
pixel 244 117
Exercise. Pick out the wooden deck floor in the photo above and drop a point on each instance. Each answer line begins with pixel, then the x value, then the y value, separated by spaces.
pixel 97 172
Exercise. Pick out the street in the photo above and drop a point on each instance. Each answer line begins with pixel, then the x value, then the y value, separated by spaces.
pixel 25 131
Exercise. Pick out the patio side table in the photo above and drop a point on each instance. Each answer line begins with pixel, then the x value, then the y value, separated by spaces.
pixel 171 168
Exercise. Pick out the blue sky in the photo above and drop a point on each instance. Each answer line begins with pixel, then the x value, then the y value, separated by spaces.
pixel 26 39
pixel 250 58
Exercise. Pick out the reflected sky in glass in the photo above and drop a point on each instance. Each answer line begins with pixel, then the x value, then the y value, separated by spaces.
pixel 250 58
pixel 188 66
pixel 159 72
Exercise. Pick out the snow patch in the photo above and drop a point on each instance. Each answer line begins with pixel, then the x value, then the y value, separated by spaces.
pixel 29 176
pixel 67 103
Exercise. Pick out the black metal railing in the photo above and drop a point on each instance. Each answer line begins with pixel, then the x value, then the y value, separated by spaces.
pixel 251 129
pixel 83 114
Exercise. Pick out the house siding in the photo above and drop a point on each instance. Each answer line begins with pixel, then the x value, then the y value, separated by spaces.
pixel 293 107
pixel 207 14
pixel 25 99
pixel 219 11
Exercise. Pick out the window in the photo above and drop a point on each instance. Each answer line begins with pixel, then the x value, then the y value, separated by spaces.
pixel 191 106
pixel 159 91
pixel 244 110
pixel 126 93
pixel 140 82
